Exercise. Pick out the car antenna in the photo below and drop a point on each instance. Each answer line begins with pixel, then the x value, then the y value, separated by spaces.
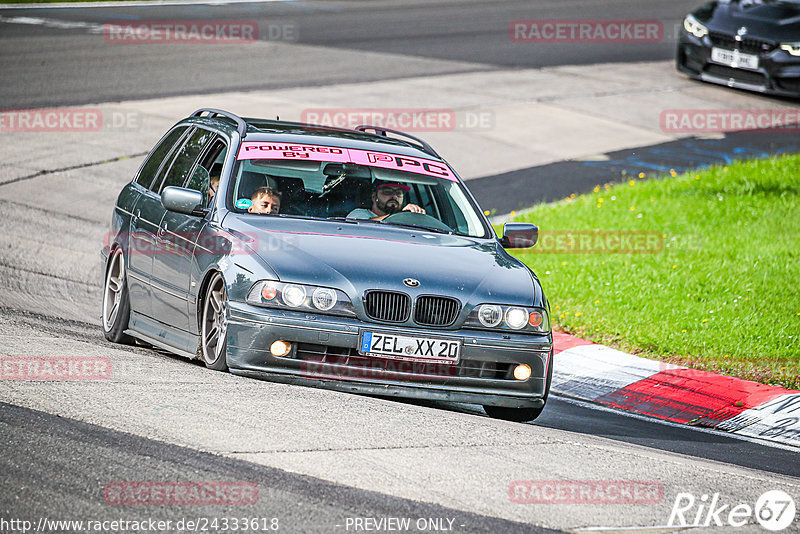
pixel 277 117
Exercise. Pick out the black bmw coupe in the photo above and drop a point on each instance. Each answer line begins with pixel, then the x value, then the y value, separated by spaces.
pixel 746 44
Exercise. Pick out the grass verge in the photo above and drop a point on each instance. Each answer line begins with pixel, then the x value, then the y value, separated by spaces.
pixel 715 282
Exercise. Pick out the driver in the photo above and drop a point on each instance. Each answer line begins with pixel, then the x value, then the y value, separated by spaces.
pixel 265 200
pixel 387 198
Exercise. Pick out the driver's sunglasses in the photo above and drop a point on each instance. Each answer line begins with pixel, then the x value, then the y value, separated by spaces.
pixel 392 191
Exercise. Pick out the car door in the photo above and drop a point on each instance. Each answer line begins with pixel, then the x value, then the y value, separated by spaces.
pixel 177 234
pixel 145 217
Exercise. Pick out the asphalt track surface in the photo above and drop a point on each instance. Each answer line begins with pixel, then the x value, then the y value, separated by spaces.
pixel 43 65
pixel 67 462
pixel 55 461
pixel 520 189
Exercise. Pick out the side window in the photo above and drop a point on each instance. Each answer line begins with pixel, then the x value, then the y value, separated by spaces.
pixel 157 155
pixel 185 159
pixel 205 177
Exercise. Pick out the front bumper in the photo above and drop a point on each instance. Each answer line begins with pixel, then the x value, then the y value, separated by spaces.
pixel 325 354
pixel 778 72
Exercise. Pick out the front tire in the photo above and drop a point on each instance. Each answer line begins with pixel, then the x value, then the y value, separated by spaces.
pixel 214 326
pixel 116 305
pixel 518 415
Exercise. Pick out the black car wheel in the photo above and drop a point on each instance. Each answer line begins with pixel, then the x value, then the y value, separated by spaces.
pixel 519 415
pixel 213 334
pixel 116 306
pixel 522 415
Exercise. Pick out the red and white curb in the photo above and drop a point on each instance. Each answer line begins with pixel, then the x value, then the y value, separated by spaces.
pixel 603 375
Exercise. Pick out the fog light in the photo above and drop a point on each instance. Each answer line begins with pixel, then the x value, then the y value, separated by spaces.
pixel 522 372
pixel 281 348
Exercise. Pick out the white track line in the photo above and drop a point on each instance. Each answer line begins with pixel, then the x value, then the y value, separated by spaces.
pixel 54 23
pixel 62 5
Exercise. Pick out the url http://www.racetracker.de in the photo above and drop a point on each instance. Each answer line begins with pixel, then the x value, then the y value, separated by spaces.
pixel 179 526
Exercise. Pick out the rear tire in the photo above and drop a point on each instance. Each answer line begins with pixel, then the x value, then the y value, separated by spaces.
pixel 116 307
pixel 214 325
pixel 523 415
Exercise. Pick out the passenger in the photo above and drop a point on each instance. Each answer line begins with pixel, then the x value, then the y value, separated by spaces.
pixel 213 186
pixel 387 198
pixel 265 200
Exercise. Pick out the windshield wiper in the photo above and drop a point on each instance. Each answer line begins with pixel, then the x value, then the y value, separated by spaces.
pixel 420 226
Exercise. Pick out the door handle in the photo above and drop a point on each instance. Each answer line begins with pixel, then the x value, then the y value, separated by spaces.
pixel 136 216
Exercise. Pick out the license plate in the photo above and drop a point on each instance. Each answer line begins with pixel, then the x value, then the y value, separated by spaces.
pixel 383 345
pixel 734 58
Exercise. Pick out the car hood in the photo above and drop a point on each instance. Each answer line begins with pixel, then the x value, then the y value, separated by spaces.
pixel 770 20
pixel 358 257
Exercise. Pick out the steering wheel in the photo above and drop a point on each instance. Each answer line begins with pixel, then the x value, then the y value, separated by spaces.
pixel 419 219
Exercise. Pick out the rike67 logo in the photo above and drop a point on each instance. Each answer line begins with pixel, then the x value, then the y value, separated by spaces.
pixel 774 510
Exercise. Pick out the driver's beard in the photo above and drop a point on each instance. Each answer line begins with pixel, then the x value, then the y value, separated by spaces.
pixel 390 209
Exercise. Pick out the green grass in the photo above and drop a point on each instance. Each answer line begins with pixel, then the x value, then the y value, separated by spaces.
pixel 722 295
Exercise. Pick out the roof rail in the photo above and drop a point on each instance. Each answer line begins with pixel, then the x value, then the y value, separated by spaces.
pixel 241 126
pixel 380 130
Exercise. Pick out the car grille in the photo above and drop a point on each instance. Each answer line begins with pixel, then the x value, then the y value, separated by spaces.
pixel 350 364
pixel 745 76
pixel 747 45
pixel 387 306
pixel 436 311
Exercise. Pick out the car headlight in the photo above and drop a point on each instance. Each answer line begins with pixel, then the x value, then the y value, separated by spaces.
pixel 691 25
pixel 792 48
pixel 293 295
pixel 324 298
pixel 490 315
pixel 274 294
pixel 517 318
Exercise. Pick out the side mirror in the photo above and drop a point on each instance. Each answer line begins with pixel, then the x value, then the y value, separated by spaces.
pixel 519 235
pixel 181 200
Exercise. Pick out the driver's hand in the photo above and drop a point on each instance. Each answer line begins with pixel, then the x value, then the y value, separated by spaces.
pixel 413 208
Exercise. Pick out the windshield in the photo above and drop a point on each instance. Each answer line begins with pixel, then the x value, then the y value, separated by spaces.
pixel 359 185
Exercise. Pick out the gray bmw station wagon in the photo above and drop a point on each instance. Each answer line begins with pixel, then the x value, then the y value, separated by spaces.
pixel 355 260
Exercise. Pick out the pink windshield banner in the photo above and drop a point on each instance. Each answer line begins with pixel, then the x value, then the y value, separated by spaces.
pixel 260 150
